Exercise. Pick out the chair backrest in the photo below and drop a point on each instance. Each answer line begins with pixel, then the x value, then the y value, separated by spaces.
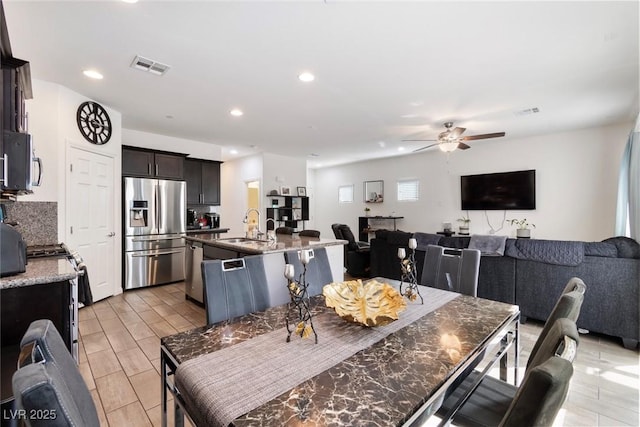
pixel 309 233
pixel 454 272
pixel 284 230
pixel 48 379
pixel 541 394
pixel 234 287
pixel 318 269
pixel 568 306
pixel 337 232
pixel 562 340
pixel 347 235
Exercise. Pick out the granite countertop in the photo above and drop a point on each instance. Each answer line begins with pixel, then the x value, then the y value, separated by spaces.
pixel 207 230
pixel 282 243
pixel 39 271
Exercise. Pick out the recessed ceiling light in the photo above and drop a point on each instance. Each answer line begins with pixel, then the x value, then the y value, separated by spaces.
pixel 93 74
pixel 233 151
pixel 130 1
pixel 306 77
pixel 236 112
pixel 382 144
pixel 400 148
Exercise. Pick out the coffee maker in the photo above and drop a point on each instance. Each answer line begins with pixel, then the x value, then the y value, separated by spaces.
pixel 213 220
pixel 192 218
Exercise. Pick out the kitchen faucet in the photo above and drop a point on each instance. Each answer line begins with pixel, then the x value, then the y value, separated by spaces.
pixel 246 221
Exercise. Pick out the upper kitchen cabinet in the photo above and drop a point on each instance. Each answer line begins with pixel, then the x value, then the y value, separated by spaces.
pixel 152 164
pixel 203 182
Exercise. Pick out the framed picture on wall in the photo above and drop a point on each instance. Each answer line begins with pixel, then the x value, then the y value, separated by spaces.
pixel 302 191
pixel 285 191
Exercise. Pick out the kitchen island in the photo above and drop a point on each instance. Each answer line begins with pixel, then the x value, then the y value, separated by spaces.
pixel 273 251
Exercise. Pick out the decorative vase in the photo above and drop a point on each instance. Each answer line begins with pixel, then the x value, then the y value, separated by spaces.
pixel 464 230
pixel 523 233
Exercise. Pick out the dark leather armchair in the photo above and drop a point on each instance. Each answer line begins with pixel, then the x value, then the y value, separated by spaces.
pixel 356 254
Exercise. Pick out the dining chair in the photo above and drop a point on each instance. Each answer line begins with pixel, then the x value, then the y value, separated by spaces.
pixel 48 380
pixel 234 287
pixel 318 269
pixel 309 233
pixel 453 270
pixel 494 402
pixel 284 230
pixel 568 306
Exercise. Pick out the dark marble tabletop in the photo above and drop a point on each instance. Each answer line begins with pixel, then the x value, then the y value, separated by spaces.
pixel 381 385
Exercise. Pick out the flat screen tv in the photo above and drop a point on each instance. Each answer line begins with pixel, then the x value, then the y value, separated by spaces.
pixel 499 191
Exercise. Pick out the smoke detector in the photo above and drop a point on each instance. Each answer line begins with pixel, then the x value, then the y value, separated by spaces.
pixel 146 64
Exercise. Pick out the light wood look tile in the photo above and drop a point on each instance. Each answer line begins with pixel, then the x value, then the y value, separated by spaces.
pixel 115 392
pixel 133 361
pixel 95 342
pixel 151 347
pixel 99 409
pixel 140 330
pixel 103 363
pixel 146 387
pixel 132 415
pixel 121 340
pixel 89 326
pixel 163 329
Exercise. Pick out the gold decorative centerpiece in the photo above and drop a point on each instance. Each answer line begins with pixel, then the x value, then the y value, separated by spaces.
pixel 371 304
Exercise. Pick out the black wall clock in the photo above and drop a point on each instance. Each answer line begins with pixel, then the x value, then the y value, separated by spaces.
pixel 94 123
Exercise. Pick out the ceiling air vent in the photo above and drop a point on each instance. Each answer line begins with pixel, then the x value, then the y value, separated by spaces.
pixel 527 111
pixel 146 64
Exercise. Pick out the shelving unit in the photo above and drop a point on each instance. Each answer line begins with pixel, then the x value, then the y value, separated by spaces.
pixel 364 227
pixel 288 211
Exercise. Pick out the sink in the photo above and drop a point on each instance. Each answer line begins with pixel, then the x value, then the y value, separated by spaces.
pixel 241 240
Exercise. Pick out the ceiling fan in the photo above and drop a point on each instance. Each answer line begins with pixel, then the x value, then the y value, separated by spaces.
pixel 450 139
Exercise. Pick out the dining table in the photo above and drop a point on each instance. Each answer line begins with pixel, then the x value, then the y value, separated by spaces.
pixel 244 372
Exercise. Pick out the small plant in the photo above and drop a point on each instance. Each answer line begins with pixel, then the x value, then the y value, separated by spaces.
pixel 367 209
pixel 522 224
pixel 464 220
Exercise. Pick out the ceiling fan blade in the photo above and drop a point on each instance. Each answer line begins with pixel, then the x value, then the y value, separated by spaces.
pixel 424 148
pixel 419 140
pixel 483 136
pixel 456 133
pixel 463 146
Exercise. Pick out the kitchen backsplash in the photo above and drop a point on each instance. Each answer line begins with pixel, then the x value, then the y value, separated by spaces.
pixel 37 221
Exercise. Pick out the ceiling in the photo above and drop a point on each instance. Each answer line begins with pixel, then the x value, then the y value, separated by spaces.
pixel 385 71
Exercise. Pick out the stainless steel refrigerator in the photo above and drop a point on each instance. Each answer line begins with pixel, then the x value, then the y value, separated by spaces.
pixel 154 226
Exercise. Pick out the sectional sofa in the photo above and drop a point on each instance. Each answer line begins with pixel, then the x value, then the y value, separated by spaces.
pixel 532 274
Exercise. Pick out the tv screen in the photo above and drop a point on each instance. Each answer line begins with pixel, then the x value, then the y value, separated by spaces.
pixel 499 191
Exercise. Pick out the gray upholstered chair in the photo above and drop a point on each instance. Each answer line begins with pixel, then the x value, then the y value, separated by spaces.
pixel 568 306
pixel 234 287
pixel 457 272
pixel 318 269
pixel 539 397
pixel 48 380
pixel 309 233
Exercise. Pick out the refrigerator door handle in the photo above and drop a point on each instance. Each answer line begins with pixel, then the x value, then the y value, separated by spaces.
pixel 155 254
pixel 156 239
pixel 160 209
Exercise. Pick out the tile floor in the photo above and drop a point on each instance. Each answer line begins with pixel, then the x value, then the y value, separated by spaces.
pixel 120 361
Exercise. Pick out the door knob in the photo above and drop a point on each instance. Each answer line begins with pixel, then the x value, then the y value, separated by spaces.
pixel 111 234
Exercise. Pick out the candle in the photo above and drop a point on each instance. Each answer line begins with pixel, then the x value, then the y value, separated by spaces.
pixel 304 256
pixel 413 243
pixel 289 271
pixel 401 253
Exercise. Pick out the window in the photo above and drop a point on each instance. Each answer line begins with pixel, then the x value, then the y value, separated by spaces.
pixel 345 194
pixel 408 190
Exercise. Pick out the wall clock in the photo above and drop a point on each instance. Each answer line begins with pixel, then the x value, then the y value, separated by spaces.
pixel 94 123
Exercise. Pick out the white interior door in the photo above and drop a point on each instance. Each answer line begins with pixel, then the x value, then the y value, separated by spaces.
pixel 90 222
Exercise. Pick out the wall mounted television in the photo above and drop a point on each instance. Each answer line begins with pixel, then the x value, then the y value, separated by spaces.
pixel 499 191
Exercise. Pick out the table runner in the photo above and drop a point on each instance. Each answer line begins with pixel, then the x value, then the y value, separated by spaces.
pixel 223 385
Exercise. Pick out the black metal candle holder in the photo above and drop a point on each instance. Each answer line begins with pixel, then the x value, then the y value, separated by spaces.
pixel 409 272
pixel 299 307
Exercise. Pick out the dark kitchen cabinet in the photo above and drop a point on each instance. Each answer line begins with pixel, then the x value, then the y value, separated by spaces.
pixel 203 182
pixel 152 164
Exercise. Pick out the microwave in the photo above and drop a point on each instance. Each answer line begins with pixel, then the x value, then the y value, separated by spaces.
pixel 19 164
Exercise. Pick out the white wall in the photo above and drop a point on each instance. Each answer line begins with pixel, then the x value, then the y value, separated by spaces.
pixel 195 149
pixel 576 175
pixel 234 175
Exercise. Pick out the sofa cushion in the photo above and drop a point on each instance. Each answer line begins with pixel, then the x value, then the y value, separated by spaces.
pixel 488 245
pixel 600 249
pixel 425 239
pixel 557 252
pixel 627 247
